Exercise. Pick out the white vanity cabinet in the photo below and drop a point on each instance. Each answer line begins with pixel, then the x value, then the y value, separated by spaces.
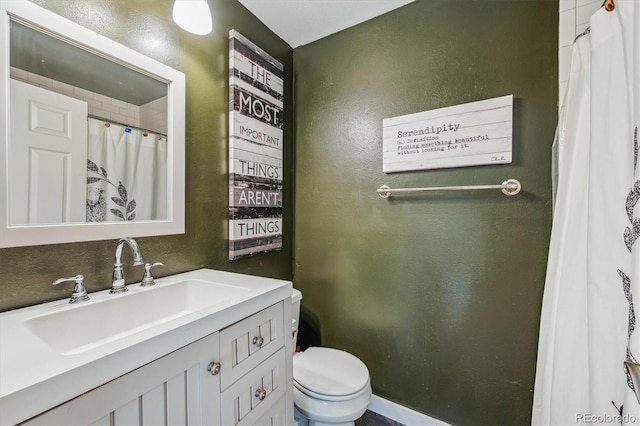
pixel 186 387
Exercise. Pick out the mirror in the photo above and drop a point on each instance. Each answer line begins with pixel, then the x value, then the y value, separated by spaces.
pixel 92 135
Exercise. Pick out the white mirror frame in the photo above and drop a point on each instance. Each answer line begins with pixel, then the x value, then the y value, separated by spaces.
pixel 28 235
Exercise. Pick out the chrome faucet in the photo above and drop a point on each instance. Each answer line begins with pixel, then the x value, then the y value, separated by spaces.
pixel 117 285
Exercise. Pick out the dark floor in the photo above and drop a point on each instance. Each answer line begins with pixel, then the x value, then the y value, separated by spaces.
pixel 369 418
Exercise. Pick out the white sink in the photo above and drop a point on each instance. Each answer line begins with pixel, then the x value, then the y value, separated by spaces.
pixel 55 351
pixel 82 327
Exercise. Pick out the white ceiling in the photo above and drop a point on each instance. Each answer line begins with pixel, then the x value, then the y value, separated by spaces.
pixel 299 22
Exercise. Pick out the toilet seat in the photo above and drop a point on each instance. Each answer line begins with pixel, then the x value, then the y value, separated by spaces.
pixel 331 398
pixel 330 374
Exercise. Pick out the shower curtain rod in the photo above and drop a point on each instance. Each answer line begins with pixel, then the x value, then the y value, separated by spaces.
pixel 107 120
pixel 508 187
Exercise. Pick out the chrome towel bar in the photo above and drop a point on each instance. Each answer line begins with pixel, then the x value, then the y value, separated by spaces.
pixel 508 187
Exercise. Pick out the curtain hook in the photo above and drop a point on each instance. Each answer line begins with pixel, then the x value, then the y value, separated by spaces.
pixel 609 5
pixel 107 125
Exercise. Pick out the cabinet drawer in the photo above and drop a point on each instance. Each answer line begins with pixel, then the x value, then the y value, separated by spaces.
pixel 247 343
pixel 275 415
pixel 252 398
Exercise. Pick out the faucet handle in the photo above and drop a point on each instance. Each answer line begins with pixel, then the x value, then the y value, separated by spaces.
pixel 147 279
pixel 79 292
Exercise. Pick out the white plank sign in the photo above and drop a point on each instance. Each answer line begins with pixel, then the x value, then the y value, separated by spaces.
pixel 255 149
pixel 470 134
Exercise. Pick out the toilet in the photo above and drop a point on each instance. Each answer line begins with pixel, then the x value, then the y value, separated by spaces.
pixel 330 386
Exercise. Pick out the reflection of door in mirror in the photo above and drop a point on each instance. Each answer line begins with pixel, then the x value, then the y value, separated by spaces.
pixel 48 156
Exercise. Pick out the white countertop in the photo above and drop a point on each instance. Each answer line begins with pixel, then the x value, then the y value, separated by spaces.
pixel 35 377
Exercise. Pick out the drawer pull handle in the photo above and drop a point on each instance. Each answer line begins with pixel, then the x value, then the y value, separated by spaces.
pixel 261 394
pixel 258 341
pixel 214 368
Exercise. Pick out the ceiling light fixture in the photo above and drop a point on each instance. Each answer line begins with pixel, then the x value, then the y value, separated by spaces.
pixel 193 16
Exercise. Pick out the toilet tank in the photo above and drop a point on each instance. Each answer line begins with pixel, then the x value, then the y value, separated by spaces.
pixel 296 297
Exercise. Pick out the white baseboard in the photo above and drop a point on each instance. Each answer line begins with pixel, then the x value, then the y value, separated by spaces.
pixel 401 414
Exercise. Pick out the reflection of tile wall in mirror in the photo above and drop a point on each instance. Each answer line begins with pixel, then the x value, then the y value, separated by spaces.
pixel 99 105
pixel 151 116
pixel 38 52
pixel 117 93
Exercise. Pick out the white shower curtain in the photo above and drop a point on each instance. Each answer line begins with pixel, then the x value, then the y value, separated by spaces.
pixel 587 327
pixel 127 173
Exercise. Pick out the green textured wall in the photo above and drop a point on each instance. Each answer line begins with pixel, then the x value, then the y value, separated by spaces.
pixel 438 293
pixel 26 273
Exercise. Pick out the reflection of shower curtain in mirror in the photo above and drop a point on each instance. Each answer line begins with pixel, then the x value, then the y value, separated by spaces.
pixel 126 174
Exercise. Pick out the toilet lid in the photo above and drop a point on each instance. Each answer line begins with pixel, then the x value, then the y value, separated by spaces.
pixel 330 372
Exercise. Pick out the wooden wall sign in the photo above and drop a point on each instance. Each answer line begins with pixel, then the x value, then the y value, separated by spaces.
pixel 255 149
pixel 470 134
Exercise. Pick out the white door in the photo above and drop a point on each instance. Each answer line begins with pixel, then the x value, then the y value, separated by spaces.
pixel 48 156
